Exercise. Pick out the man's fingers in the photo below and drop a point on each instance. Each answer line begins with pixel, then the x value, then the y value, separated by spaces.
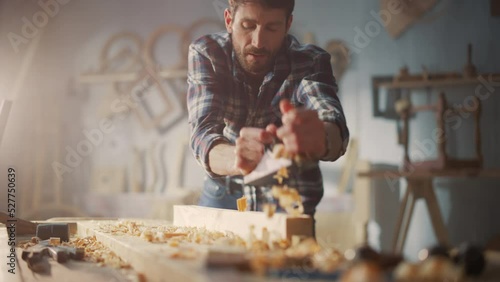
pixel 288 137
pixel 251 132
pixel 286 106
pixel 247 144
pixel 269 134
pixel 299 116
pixel 284 131
pixel 248 154
pixel 247 163
pixel 300 138
pixel 289 118
pixel 243 166
pixel 257 134
pixel 272 129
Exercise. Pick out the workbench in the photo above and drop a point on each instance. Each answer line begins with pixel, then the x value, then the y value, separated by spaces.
pixel 165 269
pixel 151 262
pixel 143 256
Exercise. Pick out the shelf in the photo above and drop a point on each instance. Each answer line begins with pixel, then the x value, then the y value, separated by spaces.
pixel 437 82
pixel 393 86
pixel 461 173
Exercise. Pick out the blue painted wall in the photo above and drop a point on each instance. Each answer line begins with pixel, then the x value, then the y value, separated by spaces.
pixel 470 207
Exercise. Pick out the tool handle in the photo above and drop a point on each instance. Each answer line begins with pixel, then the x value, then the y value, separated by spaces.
pixel 34 251
pixel 58 254
pixel 22 226
pixel 77 253
pixel 73 252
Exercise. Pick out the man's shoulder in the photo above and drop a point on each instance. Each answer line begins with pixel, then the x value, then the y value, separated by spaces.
pixel 305 53
pixel 211 42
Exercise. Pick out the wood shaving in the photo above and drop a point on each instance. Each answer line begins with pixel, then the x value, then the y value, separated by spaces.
pixel 303 249
pixel 172 235
pixel 327 260
pixel 96 252
pixel 279 151
pixel 289 199
pixel 269 209
pixel 241 203
pixel 281 175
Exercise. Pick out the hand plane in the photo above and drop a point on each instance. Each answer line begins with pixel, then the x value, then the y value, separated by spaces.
pixel 263 174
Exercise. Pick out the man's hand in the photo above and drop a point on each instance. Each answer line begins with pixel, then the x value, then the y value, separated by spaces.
pixel 250 148
pixel 302 131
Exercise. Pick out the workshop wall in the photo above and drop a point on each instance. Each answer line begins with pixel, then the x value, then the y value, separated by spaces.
pixel 53 110
pixel 438 42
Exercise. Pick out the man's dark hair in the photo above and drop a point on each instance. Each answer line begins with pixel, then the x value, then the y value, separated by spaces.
pixel 287 5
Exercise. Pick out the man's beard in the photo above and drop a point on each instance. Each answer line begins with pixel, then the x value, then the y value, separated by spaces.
pixel 252 67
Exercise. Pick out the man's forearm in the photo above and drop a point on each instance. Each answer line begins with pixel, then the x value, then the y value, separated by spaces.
pixel 334 142
pixel 222 159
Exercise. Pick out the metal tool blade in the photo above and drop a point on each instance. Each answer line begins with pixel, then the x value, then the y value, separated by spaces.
pixel 263 174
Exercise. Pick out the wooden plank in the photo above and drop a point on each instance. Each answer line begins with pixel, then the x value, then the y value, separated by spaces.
pixel 280 226
pixel 150 259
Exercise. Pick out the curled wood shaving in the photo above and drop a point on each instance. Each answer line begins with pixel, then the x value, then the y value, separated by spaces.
pixel 279 151
pixel 289 199
pixel 281 175
pixel 269 209
pixel 327 260
pixel 241 203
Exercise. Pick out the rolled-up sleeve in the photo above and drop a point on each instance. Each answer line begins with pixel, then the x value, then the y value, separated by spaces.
pixel 318 91
pixel 205 107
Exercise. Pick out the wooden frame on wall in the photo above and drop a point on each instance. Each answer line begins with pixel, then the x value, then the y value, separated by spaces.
pixel 495 8
pixel 378 97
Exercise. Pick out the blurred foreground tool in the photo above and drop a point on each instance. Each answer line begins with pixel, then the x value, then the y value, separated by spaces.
pixel 35 255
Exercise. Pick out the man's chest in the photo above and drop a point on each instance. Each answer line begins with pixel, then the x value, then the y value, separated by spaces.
pixel 256 105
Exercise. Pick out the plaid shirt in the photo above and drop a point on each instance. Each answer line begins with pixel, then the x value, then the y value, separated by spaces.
pixel 220 101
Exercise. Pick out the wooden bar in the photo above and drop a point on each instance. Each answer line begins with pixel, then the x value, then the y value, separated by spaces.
pixel 280 225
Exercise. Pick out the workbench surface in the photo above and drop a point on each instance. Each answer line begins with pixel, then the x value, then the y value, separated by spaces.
pixel 146 256
pixel 166 269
